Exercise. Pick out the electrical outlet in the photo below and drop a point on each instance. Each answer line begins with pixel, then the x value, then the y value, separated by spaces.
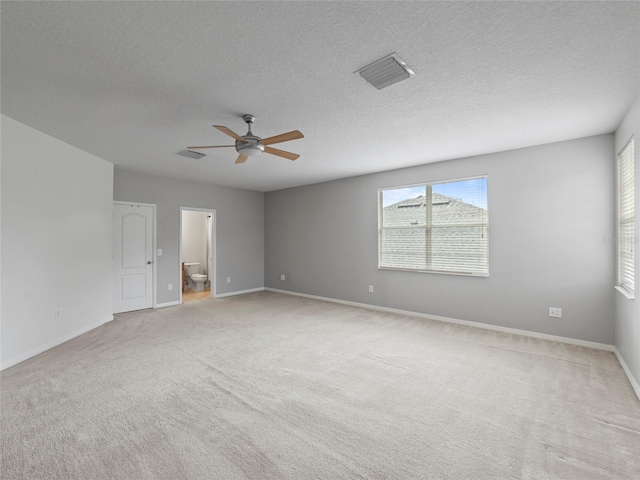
pixel 370 288
pixel 282 277
pixel 170 286
pixel 159 252
pixel 228 279
pixel 555 312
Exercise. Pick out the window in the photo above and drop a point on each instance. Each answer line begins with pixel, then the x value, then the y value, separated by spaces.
pixel 626 219
pixel 435 227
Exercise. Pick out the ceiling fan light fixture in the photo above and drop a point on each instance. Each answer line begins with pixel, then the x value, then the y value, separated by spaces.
pixel 249 149
pixel 386 71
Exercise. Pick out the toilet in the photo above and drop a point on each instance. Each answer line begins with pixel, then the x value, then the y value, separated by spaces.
pixel 197 279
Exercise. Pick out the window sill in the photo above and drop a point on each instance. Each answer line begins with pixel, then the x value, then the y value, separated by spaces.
pixel 439 272
pixel 625 292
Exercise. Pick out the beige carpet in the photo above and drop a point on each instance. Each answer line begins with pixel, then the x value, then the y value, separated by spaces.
pixel 270 386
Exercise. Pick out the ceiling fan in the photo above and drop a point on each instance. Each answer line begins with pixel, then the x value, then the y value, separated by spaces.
pixel 250 145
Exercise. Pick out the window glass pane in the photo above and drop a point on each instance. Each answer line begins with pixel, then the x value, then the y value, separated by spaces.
pixel 403 248
pixel 460 202
pixel 460 249
pixel 404 206
pixel 626 217
pixel 473 191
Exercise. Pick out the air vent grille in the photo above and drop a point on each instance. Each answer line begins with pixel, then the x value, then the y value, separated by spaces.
pixel 386 71
pixel 191 154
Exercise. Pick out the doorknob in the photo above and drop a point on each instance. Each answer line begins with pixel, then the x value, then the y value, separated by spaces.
pixel 149 262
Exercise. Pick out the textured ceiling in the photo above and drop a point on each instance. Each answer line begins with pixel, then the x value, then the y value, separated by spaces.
pixel 136 82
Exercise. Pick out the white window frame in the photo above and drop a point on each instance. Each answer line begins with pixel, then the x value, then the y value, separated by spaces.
pixel 428 187
pixel 625 220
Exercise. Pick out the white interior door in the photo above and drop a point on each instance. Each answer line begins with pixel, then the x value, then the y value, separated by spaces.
pixel 132 257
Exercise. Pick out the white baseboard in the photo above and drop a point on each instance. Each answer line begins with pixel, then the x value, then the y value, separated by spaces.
pixel 239 292
pixel 468 323
pixel 634 383
pixel 48 346
pixel 167 304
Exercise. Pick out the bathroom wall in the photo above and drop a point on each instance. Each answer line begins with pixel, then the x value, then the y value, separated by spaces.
pixel 194 238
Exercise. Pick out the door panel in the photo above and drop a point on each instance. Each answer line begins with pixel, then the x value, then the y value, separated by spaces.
pixel 134 240
pixel 133 257
pixel 133 286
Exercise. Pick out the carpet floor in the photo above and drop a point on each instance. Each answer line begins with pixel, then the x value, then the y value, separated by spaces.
pixel 273 386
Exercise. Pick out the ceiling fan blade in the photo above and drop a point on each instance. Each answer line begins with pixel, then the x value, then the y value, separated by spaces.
pixel 284 137
pixel 241 158
pixel 281 153
pixel 210 146
pixel 229 132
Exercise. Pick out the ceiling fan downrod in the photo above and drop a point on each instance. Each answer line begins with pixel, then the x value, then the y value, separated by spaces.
pixel 249 119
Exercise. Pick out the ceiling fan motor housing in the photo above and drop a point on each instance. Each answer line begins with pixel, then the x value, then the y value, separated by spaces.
pixel 251 147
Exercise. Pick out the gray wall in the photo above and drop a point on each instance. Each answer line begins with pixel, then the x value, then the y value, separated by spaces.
pixel 57 223
pixel 627 312
pixel 551 211
pixel 239 229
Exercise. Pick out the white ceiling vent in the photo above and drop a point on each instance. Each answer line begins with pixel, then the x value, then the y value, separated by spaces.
pixel 386 71
pixel 191 154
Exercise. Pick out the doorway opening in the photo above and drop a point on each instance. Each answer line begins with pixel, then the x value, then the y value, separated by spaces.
pixel 197 253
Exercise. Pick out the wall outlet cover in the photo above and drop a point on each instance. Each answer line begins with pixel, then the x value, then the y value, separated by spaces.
pixel 555 312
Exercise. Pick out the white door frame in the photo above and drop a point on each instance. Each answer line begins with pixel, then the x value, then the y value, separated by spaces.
pixel 155 252
pixel 212 248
